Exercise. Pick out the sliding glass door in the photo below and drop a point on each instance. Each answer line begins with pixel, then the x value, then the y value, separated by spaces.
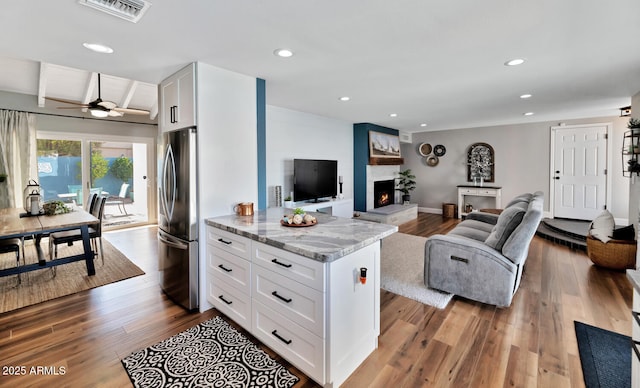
pixel 71 169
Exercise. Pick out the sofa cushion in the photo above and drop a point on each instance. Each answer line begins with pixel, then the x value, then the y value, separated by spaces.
pixel 602 226
pixel 627 233
pixel 526 197
pixel 470 232
pixel 508 221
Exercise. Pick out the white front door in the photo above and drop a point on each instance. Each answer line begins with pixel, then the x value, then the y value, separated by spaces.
pixel 579 171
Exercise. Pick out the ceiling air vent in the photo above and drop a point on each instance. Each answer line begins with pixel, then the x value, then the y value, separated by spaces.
pixel 131 10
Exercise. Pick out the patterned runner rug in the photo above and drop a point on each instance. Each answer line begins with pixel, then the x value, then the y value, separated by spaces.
pixel 212 354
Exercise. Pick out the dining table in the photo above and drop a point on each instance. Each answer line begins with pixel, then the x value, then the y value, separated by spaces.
pixel 14 222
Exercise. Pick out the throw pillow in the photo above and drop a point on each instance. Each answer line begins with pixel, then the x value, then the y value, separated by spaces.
pixel 627 233
pixel 508 221
pixel 602 226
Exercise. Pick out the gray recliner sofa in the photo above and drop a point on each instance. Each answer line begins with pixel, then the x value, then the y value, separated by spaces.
pixel 482 258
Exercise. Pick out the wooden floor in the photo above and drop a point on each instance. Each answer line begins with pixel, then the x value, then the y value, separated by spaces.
pixel 83 337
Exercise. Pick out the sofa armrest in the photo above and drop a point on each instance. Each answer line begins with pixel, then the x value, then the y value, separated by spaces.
pixel 469 268
pixel 466 248
pixel 488 218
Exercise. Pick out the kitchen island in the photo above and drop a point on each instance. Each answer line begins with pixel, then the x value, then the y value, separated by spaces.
pixel 299 289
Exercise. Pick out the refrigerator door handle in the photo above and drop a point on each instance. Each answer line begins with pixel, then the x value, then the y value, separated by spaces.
pixel 174 244
pixel 169 181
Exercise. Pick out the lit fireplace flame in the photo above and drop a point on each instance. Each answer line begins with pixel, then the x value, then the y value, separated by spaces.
pixel 384 199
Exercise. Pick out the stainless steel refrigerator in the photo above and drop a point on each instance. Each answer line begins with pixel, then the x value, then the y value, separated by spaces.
pixel 178 218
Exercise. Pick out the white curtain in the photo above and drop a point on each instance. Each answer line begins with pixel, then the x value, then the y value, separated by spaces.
pixel 17 155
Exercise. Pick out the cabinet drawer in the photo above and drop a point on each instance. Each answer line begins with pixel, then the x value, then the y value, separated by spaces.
pixel 230 301
pixel 232 243
pixel 299 346
pixel 301 304
pixel 467 191
pixel 301 269
pixel 230 268
pixel 491 192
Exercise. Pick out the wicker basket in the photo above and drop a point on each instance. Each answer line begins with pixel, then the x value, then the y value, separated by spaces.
pixel 614 254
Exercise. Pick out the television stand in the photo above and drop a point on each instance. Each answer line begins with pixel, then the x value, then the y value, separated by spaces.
pixel 334 207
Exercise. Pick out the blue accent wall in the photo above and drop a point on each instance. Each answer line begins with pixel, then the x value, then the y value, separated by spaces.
pixel 262 142
pixel 361 160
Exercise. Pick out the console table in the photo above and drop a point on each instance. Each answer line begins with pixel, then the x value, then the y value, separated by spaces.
pixel 478 191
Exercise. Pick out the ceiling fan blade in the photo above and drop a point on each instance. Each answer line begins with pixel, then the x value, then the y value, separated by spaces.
pixel 114 113
pixel 65 101
pixel 132 111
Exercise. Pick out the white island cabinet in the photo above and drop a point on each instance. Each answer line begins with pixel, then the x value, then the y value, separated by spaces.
pixel 298 290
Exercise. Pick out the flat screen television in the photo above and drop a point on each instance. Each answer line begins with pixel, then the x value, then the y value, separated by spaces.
pixel 314 179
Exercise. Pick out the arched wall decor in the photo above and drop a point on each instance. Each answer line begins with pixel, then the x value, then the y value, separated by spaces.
pixel 480 162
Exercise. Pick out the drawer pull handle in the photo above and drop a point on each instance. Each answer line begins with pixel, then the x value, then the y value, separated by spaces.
pixel 221 297
pixel 460 259
pixel 286 341
pixel 225 269
pixel 282 298
pixel 224 241
pixel 275 261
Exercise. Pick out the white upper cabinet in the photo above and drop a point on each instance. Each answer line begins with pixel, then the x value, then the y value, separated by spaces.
pixel 177 100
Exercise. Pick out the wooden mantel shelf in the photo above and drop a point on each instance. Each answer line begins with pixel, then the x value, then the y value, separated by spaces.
pixel 385 161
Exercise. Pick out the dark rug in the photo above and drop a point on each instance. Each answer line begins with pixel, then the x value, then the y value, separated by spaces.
pixel 605 357
pixel 212 354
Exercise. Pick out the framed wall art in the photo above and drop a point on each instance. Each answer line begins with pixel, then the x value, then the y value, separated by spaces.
pixel 382 145
pixel 480 163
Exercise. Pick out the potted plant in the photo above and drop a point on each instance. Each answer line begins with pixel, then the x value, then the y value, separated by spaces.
pixel 634 125
pixel 288 203
pixel 406 184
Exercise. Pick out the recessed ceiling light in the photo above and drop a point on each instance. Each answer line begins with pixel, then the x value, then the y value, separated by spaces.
pixel 99 48
pixel 423 124
pixel 528 114
pixel 345 98
pixel 284 53
pixel 393 115
pixel 525 96
pixel 514 62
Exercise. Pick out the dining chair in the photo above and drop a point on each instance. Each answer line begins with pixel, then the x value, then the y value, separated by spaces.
pixel 70 236
pixel 13 245
pixel 119 199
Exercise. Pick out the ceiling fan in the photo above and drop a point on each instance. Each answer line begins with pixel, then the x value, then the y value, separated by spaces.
pixel 100 108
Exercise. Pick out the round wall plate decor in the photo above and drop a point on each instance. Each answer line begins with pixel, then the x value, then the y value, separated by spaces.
pixel 432 160
pixel 424 149
pixel 439 150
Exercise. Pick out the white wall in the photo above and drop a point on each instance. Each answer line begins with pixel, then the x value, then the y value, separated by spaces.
pixel 522 162
pixel 292 134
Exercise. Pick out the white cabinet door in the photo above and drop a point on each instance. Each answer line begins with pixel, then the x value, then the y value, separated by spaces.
pixel 177 100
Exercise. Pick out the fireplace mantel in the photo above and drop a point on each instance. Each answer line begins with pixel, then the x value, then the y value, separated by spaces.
pixel 386 161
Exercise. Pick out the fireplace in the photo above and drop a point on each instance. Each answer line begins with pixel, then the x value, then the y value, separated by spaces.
pixel 383 193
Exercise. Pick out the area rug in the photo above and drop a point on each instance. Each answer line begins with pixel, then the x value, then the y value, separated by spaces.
pixel 402 270
pixel 605 357
pixel 40 285
pixel 212 354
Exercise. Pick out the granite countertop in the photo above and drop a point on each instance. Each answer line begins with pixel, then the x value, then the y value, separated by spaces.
pixel 634 278
pixel 330 239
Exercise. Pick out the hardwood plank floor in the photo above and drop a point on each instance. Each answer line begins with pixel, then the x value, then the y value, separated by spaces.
pixel 532 343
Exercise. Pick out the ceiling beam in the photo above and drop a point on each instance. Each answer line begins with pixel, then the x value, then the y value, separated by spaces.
pixel 42 83
pixel 92 84
pixel 153 112
pixel 128 95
